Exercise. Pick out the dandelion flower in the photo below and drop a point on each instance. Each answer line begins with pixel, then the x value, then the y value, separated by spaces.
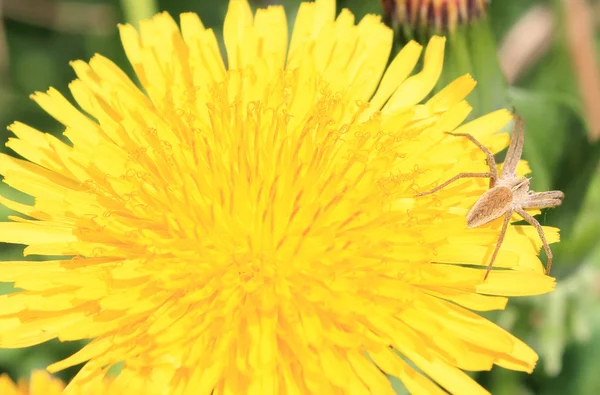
pixel 252 228
pixel 441 14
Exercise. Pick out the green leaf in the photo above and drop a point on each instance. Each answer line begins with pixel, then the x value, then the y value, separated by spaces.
pixel 582 243
pixel 574 173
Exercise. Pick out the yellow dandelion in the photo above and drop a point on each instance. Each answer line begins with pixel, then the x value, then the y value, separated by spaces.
pixel 252 228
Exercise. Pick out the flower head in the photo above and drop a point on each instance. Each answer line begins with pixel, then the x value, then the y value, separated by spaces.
pixel 440 14
pixel 253 228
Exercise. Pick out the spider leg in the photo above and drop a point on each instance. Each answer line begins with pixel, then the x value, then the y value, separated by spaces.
pixel 515 149
pixel 542 199
pixel 498 243
pixel 456 177
pixel 541 203
pixel 532 221
pixel 547 195
pixel 489 158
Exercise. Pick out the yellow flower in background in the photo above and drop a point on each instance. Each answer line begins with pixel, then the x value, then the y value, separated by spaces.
pixel 41 383
pixel 253 228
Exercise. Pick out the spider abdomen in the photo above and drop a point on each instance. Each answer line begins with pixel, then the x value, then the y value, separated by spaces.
pixel 491 205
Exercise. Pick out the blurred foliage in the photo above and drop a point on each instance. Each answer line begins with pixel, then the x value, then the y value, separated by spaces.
pixel 564 327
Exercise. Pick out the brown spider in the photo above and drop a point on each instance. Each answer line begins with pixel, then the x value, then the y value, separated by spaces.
pixel 507 194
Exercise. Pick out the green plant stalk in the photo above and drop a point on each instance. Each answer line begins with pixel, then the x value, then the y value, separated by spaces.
pixel 137 10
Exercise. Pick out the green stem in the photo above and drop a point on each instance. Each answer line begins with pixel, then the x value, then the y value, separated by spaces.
pixel 137 10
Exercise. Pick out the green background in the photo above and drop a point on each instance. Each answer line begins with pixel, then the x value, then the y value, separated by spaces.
pixel 564 327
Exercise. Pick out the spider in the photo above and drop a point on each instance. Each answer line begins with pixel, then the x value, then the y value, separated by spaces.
pixel 507 193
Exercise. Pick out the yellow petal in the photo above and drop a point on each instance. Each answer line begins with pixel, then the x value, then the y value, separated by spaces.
pixel 237 22
pixel 417 87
